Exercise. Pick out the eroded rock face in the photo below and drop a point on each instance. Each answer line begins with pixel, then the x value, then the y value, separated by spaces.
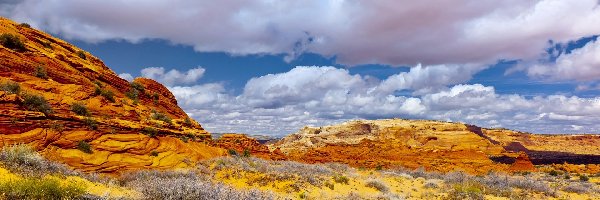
pixel 128 126
pixel 439 146
pixel 242 143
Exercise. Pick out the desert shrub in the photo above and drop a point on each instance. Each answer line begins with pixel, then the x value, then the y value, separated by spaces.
pixel 341 179
pixel 187 121
pixel 461 192
pixel 10 87
pixel 553 173
pixel 531 184
pixel 155 98
pixel 36 103
pixel 154 153
pixel 246 153
pixel 170 185
pixel 567 176
pixel 133 94
pixel 454 177
pixel 330 185
pixel 84 147
pixel 40 72
pixel 431 184
pixel 24 159
pixel 36 188
pixel 47 45
pixel 161 117
pixel 377 184
pixel 106 93
pixel 91 123
pixel 80 109
pixel 81 54
pixel 584 178
pixel 578 188
pixel 232 152
pixel 149 131
pixel 137 86
pixel 25 25
pixel 12 42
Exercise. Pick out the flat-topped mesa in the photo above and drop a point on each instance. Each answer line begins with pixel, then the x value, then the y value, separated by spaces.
pixel 435 145
pixel 70 106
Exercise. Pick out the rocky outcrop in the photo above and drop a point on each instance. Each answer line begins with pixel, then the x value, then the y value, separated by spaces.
pixel 127 125
pixel 434 145
pixel 522 163
pixel 242 144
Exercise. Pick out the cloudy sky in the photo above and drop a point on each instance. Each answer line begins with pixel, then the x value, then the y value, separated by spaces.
pixel 272 67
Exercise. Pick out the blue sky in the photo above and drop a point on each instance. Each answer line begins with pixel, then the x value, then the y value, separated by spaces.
pixel 265 67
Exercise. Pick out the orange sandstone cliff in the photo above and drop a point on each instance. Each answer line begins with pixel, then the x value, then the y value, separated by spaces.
pixel 434 145
pixel 71 107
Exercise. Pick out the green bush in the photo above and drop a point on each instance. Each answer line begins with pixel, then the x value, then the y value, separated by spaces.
pixel 12 42
pixel 10 87
pixel 80 109
pixel 44 188
pixel 584 178
pixel 378 185
pixel 161 117
pixel 40 72
pixel 330 185
pixel 154 153
pixel 25 25
pixel 553 173
pixel 187 121
pixel 139 87
pixel 341 179
pixel 47 45
pixel 107 94
pixel 149 131
pixel 461 192
pixel 84 147
pixel 133 94
pixel 232 152
pixel 37 103
pixel 246 153
pixel 81 54
pixel 91 123
pixel 155 98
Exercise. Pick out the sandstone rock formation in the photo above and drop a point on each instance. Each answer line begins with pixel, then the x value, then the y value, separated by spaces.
pixel 241 144
pixel 439 146
pixel 120 125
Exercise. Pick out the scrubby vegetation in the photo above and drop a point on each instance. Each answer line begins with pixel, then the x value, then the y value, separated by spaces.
pixel 10 87
pixel 81 54
pixel 37 103
pixel 91 123
pixel 106 93
pixel 149 131
pixel 80 109
pixel 161 117
pixel 182 185
pixel 40 188
pixel 12 42
pixel 24 25
pixel 40 72
pixel 213 179
pixel 84 147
